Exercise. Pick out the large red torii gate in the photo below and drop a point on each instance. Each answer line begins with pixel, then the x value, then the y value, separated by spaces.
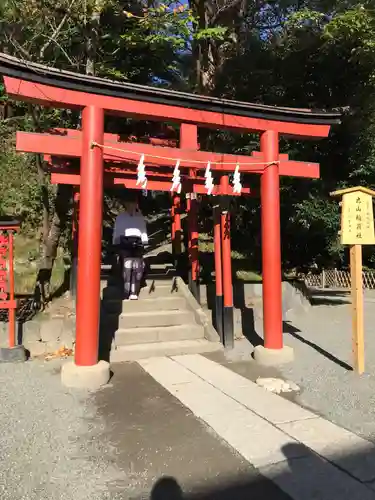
pixel 95 96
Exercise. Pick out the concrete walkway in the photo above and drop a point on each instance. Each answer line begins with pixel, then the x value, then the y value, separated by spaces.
pixel 306 456
pixel 165 452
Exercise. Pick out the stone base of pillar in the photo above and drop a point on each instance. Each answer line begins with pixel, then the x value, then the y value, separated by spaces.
pixel 15 354
pixel 273 357
pixel 85 377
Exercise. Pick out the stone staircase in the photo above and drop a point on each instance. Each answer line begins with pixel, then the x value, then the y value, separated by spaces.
pixel 163 322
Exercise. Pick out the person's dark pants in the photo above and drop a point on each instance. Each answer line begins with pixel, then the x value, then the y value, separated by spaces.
pixel 132 266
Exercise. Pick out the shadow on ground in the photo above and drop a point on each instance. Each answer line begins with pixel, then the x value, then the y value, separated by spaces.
pixel 297 334
pixel 326 296
pixel 302 475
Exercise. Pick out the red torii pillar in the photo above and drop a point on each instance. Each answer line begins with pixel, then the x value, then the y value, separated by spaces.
pixel 228 329
pixel 86 370
pixel 13 352
pixel 189 140
pixel 176 226
pixel 273 351
pixel 74 249
pixel 218 273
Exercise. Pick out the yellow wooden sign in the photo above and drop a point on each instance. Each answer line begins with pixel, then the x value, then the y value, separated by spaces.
pixel 357 216
pixel 357 229
pixel 357 219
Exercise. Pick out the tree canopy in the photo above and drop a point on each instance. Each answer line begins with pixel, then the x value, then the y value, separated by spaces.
pixel 301 53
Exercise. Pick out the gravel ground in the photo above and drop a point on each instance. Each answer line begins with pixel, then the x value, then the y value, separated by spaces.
pixel 115 444
pixel 51 443
pixel 322 343
pixel 322 339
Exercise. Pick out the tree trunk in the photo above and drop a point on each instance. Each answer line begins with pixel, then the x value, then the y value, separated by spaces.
pixel 58 225
pixel 34 111
pixel 45 200
pixel 64 193
pixel 92 34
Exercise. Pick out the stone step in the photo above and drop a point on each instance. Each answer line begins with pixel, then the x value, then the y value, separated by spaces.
pixel 154 349
pixel 126 336
pixel 145 304
pixel 160 275
pixel 106 268
pixel 153 290
pixel 163 289
pixel 155 318
pixel 162 266
pixel 150 278
pixel 155 282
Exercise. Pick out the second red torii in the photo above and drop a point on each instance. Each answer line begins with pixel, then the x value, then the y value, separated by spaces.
pixel 69 146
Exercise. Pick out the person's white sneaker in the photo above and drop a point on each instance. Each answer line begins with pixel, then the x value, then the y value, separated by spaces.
pixel 133 297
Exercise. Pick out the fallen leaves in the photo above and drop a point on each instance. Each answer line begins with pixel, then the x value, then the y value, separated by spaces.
pixel 62 353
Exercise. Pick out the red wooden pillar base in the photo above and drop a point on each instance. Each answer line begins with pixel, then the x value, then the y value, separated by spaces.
pixel 90 238
pixel 273 351
pixel 271 245
pixel 87 371
pixel 218 274
pixel 74 253
pixel 176 225
pixel 12 310
pixel 173 231
pixel 189 140
pixel 228 328
pixel 14 352
pixel 193 246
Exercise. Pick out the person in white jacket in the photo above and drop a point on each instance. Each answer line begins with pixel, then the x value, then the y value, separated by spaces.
pixel 130 237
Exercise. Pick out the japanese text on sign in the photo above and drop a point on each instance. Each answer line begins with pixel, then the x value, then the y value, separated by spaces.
pixel 357 219
pixel 4 247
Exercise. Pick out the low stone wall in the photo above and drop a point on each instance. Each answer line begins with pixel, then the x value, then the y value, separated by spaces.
pixel 248 304
pixel 42 336
pixel 50 331
pixel 201 316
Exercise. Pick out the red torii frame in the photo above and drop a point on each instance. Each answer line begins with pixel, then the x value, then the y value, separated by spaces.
pixel 94 96
pixel 71 146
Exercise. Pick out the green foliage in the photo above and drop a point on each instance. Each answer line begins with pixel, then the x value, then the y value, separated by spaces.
pixel 315 54
pixel 20 189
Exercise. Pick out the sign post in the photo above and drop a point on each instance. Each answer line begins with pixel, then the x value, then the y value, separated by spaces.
pixel 357 229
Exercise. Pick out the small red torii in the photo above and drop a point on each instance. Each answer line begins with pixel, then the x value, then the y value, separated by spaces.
pixel 8 226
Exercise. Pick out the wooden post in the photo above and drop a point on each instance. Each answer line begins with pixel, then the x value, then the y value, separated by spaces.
pixel 12 310
pixel 74 265
pixel 357 229
pixel 228 325
pixel 90 238
pixel 189 140
pixel 173 227
pixel 7 292
pixel 219 304
pixel 357 305
pixel 271 246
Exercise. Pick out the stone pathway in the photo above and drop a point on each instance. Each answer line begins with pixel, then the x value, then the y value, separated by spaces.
pixel 307 456
pixel 156 437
